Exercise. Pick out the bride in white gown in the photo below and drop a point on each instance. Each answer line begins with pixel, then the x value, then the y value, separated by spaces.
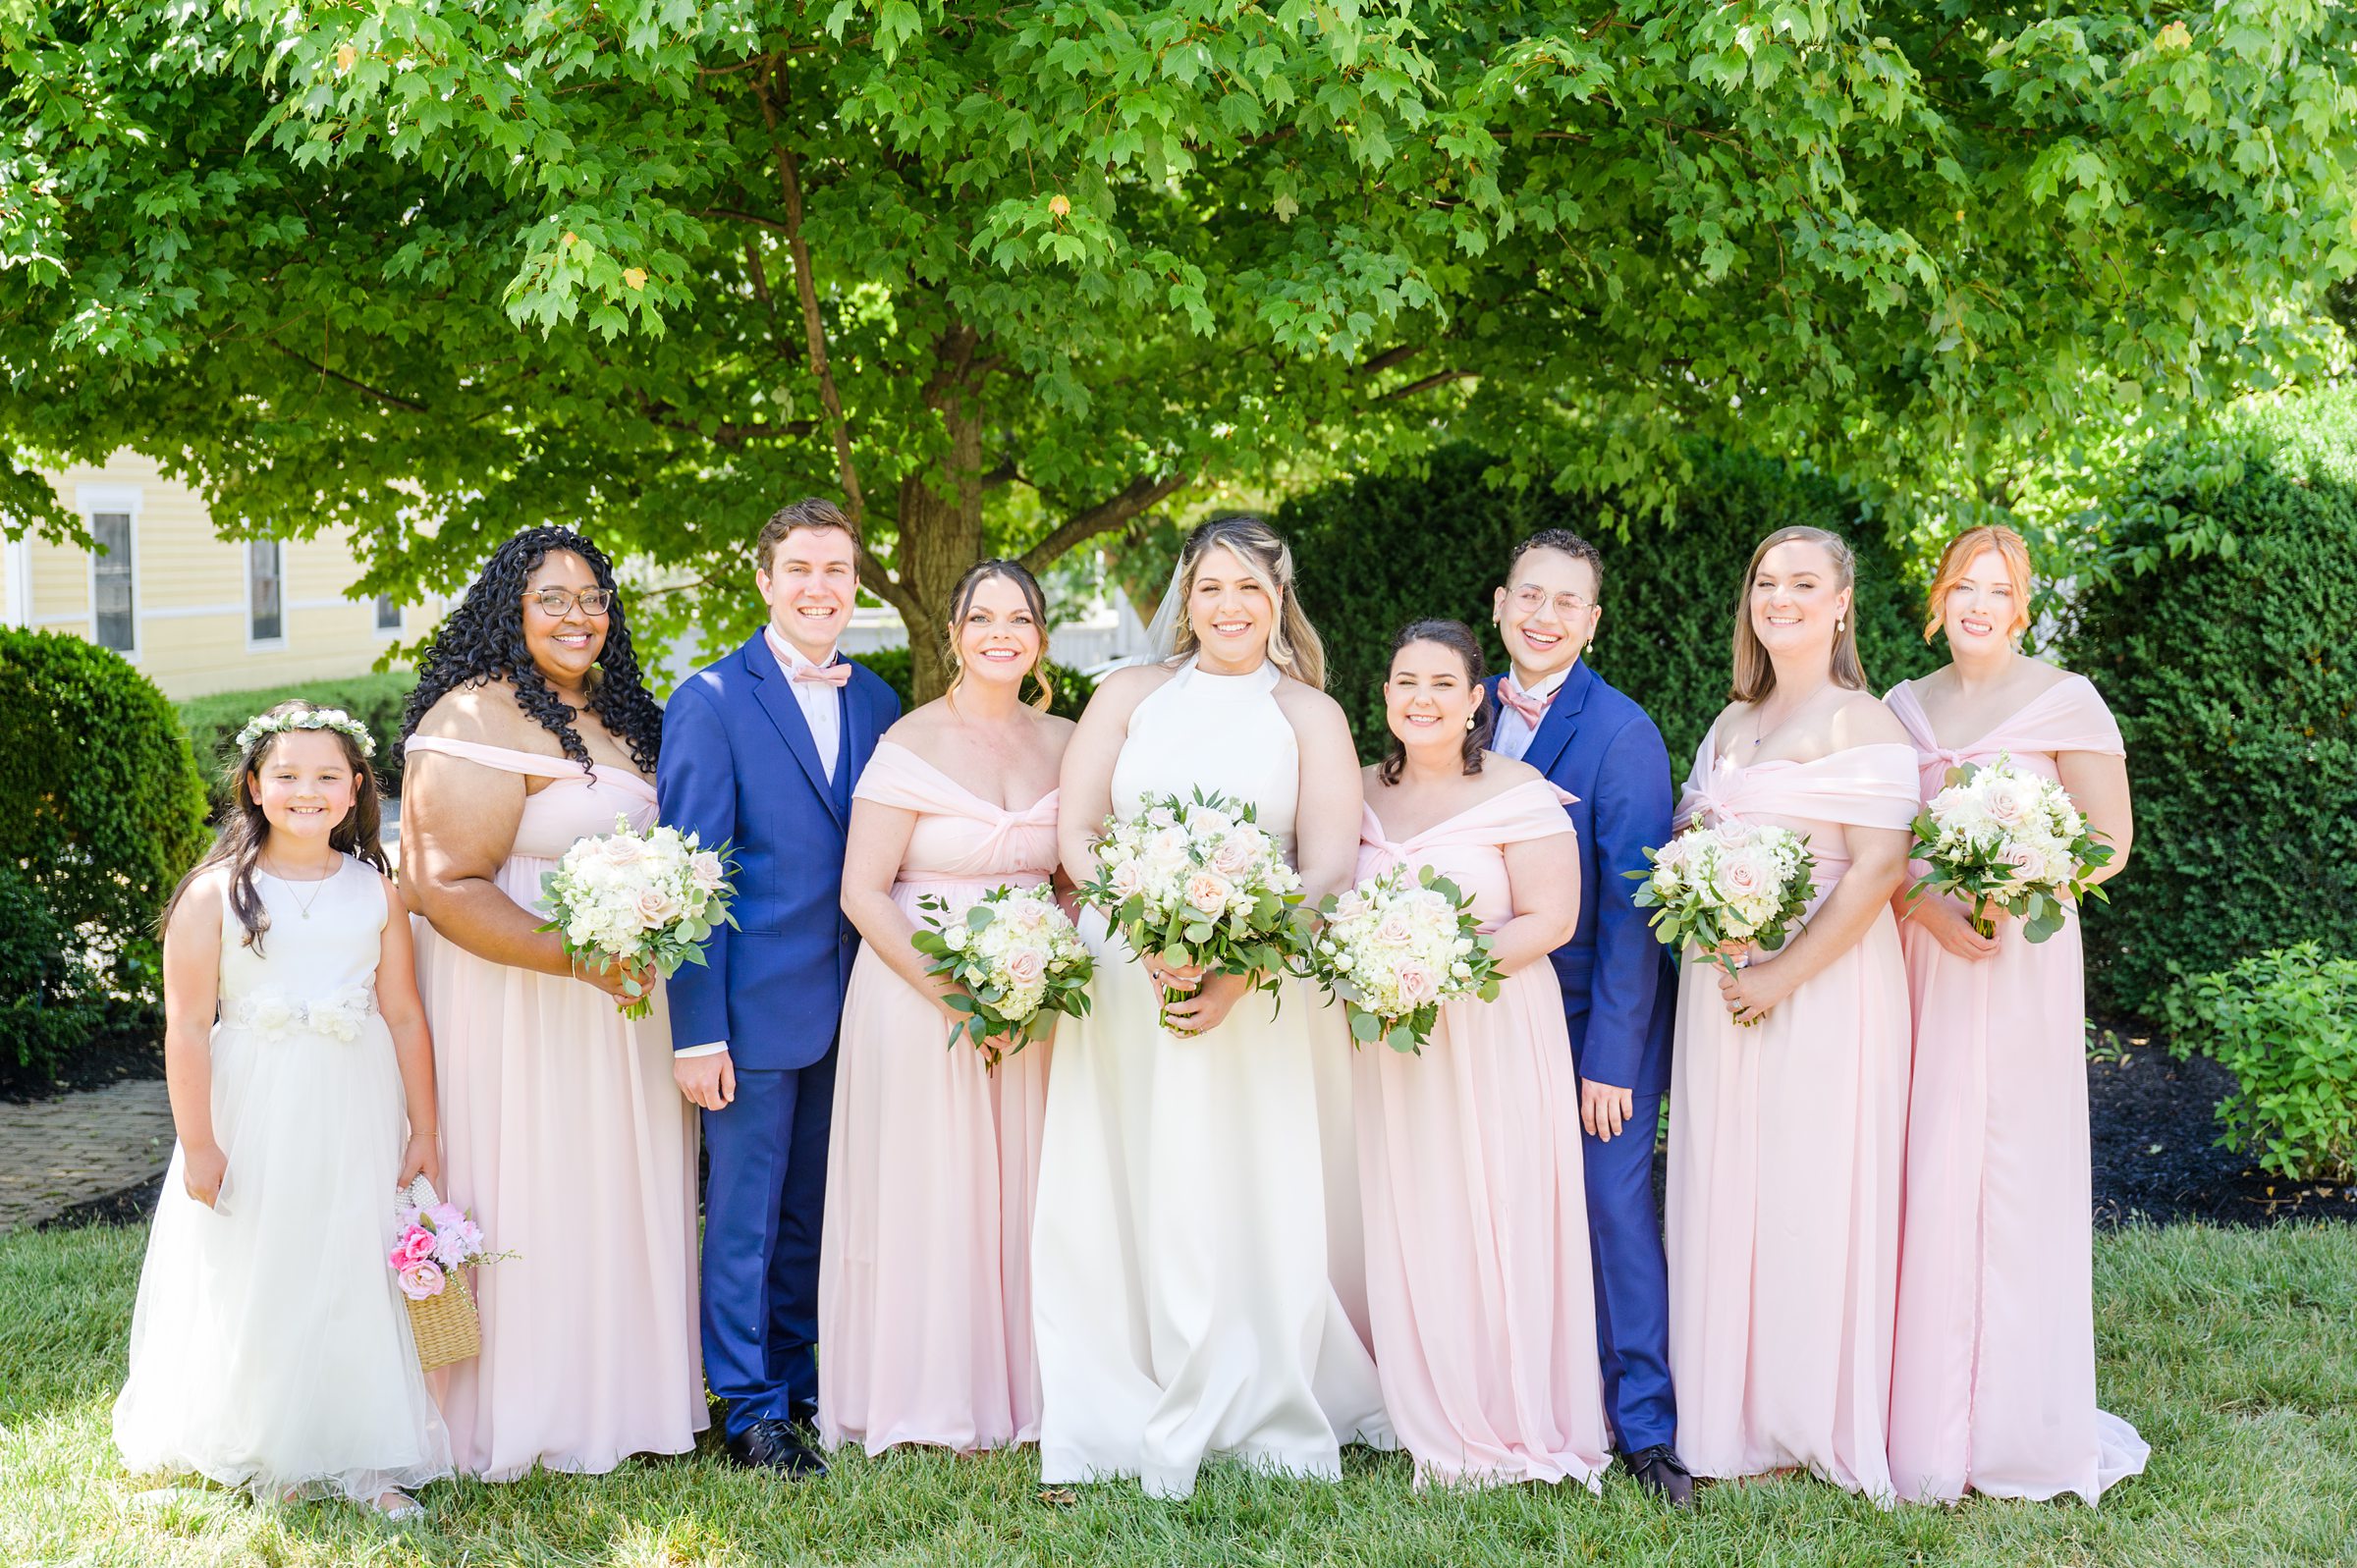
pixel 1193 1220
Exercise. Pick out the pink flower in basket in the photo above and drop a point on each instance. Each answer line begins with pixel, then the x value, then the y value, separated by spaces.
pixel 416 1245
pixel 445 1216
pixel 421 1280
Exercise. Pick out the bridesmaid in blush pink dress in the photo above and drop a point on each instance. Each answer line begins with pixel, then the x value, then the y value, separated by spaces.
pixel 924 1281
pixel 1478 1285
pixel 561 1127
pixel 1993 1388
pixel 1789 1083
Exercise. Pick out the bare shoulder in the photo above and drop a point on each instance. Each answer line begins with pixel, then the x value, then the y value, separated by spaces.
pixel 2045 676
pixel 201 901
pixel 1504 772
pixel 1370 778
pixel 1055 731
pixel 486 713
pixel 1306 705
pixel 1863 721
pixel 1726 715
pixel 918 723
pixel 1120 691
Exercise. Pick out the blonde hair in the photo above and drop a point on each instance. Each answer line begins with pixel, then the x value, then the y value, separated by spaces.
pixel 1035 600
pixel 1755 672
pixel 1957 558
pixel 1295 646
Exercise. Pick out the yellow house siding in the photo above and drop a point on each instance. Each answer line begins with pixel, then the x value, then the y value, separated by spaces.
pixel 190 591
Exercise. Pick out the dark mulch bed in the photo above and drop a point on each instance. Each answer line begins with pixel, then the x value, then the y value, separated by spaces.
pixel 110 1059
pixel 2155 1143
pixel 2153 1146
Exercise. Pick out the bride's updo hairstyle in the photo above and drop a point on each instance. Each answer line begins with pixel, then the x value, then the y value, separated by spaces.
pixel 1294 643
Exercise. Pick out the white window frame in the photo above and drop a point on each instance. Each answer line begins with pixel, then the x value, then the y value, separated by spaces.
pixel 89 501
pixel 286 601
pixel 401 620
pixel 18 551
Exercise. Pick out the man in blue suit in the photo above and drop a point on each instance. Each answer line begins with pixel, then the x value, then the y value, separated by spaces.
pixel 761 751
pixel 1620 991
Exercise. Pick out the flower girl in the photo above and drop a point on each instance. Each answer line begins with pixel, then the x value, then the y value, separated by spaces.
pixel 270 1349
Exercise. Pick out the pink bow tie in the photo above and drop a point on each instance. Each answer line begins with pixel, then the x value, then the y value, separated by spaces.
pixel 838 674
pixel 1532 709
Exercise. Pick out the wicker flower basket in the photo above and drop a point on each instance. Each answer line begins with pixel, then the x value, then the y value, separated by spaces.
pixel 445 1325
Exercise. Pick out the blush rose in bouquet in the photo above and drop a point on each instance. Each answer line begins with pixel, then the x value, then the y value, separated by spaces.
pixel 638 899
pixel 2003 838
pixel 1396 948
pixel 1737 881
pixel 1018 960
pixel 1199 881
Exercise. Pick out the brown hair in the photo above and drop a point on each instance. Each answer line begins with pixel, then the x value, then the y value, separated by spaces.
pixel 1956 559
pixel 1036 601
pixel 1458 638
pixel 1565 541
pixel 1294 643
pixel 1755 672
pixel 813 511
pixel 245 830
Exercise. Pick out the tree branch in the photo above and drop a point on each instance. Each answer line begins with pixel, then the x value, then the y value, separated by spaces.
pixel 791 184
pixel 1390 357
pixel 1437 379
pixel 1140 494
pixel 379 395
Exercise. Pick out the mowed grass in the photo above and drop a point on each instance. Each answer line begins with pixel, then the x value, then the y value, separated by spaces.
pixel 2234 1352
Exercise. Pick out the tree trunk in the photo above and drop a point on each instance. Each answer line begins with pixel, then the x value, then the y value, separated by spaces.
pixel 941 518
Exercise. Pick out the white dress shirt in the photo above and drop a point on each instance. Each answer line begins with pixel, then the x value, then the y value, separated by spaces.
pixel 1513 735
pixel 822 708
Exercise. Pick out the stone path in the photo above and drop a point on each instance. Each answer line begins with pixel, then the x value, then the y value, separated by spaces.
pixel 60 1152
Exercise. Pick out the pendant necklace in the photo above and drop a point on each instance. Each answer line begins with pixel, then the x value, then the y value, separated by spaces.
pixel 303 905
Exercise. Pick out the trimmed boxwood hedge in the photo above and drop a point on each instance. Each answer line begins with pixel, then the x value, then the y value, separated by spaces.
pixel 2230 661
pixel 101 810
pixel 1373 554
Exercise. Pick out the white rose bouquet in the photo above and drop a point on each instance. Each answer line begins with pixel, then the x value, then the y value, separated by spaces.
pixel 638 899
pixel 1736 881
pixel 1018 959
pixel 1199 882
pixel 2006 839
pixel 1394 948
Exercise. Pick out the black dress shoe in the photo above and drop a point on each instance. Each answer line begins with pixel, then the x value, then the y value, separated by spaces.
pixel 1658 1471
pixel 775 1445
pixel 803 1413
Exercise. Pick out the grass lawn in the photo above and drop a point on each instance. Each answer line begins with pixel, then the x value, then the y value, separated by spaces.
pixel 2231 1350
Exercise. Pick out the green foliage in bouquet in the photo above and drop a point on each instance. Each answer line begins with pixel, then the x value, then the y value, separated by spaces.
pixel 971 962
pixel 1405 1030
pixel 1675 882
pixel 1259 944
pixel 2285 1023
pixel 2226 647
pixel 1977 871
pixel 101 810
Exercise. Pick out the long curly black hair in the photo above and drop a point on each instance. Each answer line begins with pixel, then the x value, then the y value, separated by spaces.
pixel 482 640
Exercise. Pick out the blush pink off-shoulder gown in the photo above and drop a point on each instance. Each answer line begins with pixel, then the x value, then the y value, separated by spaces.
pixel 924 1274
pixel 562 1131
pixel 1993 1386
pixel 1478 1287
pixel 1785 1143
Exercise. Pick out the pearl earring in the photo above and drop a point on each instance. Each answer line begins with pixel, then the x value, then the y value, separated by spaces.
pixel 1468 720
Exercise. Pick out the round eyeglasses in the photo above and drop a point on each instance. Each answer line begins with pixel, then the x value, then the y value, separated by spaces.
pixel 560 600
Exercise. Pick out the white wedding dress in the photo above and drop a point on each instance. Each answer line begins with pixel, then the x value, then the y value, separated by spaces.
pixel 270 1348
pixel 1180 1259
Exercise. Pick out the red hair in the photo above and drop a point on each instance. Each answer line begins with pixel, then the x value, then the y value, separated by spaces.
pixel 1957 558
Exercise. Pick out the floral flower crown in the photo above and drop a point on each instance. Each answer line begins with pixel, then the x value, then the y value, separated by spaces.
pixel 279 723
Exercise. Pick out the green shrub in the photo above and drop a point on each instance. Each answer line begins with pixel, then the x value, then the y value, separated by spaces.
pixel 1072 688
pixel 2230 660
pixel 374 700
pixel 2284 1024
pixel 101 810
pixel 52 999
pixel 1374 554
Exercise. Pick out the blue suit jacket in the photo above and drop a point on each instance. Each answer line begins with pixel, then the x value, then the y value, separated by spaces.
pixel 1619 987
pixel 738 766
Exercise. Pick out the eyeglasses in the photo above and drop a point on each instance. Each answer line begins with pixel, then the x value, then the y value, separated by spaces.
pixel 1530 597
pixel 560 600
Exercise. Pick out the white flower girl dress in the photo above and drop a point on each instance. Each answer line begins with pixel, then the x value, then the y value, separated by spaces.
pixel 270 1348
